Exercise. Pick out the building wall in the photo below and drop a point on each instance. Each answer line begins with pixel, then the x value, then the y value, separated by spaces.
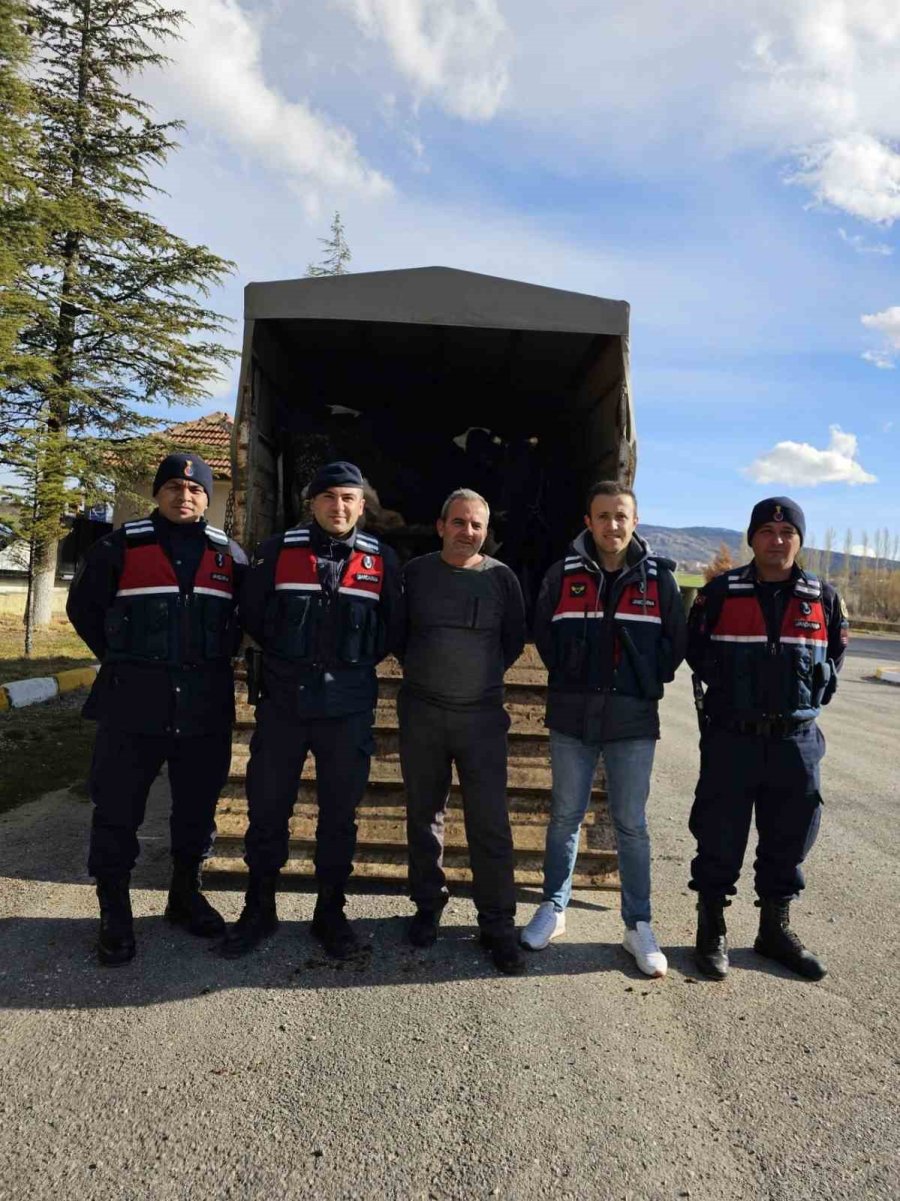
pixel 131 510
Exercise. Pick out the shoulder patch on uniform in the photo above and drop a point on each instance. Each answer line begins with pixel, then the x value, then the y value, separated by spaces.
pixel 139 529
pixel 217 535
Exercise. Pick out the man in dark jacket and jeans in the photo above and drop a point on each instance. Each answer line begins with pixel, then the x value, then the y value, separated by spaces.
pixel 610 627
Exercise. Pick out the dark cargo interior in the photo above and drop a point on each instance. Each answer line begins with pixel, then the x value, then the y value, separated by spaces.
pixel 526 417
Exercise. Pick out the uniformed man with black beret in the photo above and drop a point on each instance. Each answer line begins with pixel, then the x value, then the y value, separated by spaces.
pixel 156 603
pixel 767 640
pixel 323 602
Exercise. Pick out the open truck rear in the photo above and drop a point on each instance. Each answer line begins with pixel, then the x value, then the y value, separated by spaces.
pixel 395 370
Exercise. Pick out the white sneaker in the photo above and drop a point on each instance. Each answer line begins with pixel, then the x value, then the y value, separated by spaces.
pixel 547 923
pixel 641 943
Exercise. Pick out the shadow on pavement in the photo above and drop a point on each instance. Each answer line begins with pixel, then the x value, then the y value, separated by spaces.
pixel 50 963
pixel 741 959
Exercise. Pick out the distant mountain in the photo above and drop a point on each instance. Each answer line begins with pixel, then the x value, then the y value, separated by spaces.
pixel 695 546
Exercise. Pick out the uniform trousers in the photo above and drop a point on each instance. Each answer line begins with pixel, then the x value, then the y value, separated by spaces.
pixel 776 777
pixel 342 747
pixel 123 768
pixel 431 740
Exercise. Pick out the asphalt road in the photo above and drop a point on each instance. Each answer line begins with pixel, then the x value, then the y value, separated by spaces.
pixel 425 1075
pixel 884 647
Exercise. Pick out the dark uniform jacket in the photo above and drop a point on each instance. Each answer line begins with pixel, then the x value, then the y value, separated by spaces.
pixel 608 656
pixel 766 651
pixel 156 603
pixel 325 611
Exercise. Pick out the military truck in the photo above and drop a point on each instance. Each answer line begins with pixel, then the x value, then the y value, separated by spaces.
pixel 432 379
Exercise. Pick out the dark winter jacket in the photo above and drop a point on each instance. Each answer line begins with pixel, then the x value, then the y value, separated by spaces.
pixel 156 603
pixel 766 650
pixel 320 635
pixel 608 656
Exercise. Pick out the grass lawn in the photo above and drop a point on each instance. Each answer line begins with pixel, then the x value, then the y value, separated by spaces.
pixel 44 747
pixel 689 581
pixel 55 649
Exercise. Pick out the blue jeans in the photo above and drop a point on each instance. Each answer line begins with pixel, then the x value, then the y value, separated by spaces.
pixel 628 763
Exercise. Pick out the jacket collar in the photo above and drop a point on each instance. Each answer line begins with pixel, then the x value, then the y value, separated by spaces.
pixel 637 554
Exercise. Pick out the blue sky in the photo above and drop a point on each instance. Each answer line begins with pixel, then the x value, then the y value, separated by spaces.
pixel 731 171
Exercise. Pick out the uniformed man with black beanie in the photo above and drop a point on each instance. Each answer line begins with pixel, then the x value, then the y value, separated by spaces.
pixel 323 602
pixel 767 640
pixel 156 603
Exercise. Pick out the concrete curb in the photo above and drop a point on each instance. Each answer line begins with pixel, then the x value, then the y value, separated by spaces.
pixel 19 693
pixel 889 675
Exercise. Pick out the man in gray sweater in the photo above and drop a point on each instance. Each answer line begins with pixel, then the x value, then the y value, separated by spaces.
pixel 465 626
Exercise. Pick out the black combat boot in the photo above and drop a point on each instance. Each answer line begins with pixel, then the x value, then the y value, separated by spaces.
pixel 711 950
pixel 187 906
pixel 776 940
pixel 116 943
pixel 258 918
pixel 505 951
pixel 423 927
pixel 329 925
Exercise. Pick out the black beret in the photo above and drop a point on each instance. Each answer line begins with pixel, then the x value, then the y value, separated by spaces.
pixel 335 475
pixel 777 508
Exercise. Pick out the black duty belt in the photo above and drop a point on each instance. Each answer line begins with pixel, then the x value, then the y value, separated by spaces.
pixel 766 727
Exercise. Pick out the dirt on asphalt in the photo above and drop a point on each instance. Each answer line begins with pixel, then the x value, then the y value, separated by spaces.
pixel 413 1074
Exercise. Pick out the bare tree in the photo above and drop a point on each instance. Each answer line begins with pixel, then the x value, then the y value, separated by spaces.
pixel 830 535
pixel 848 555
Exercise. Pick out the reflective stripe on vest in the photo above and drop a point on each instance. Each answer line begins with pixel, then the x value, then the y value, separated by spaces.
pixel 147 571
pixel 803 622
pixel 579 597
pixel 297 569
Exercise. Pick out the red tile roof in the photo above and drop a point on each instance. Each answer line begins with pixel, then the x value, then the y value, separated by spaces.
pixel 211 435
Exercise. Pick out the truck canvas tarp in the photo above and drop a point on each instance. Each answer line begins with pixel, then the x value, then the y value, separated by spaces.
pixel 432 379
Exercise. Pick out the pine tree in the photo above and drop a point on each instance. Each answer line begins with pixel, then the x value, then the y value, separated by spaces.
pixel 124 321
pixel 721 561
pixel 21 212
pixel 336 255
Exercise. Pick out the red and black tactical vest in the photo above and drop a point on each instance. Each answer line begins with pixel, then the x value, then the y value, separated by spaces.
pixel 750 676
pixel 298 627
pixel 591 655
pixel 152 620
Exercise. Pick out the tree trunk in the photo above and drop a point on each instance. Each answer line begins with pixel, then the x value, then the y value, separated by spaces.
pixel 43 580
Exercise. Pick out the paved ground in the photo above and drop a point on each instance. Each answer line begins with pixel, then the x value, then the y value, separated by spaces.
pixel 884 647
pixel 417 1075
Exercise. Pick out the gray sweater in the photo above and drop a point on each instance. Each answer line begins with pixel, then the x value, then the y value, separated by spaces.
pixel 464 627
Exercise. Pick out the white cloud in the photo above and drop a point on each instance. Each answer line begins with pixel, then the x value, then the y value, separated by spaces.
pixel 882 359
pixel 857 174
pixel 454 51
pixel 821 86
pixel 886 323
pixel 858 243
pixel 802 465
pixel 216 77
